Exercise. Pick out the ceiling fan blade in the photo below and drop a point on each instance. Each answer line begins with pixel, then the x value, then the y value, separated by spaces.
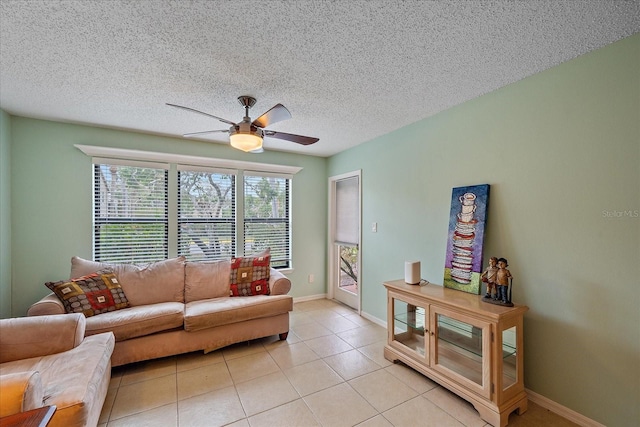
pixel 276 114
pixel 187 135
pixel 299 139
pixel 202 112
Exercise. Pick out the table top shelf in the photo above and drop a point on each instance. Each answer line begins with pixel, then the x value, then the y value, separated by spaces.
pixel 38 417
pixel 465 301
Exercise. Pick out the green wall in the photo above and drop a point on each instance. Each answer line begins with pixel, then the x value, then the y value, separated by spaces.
pixel 561 151
pixel 5 215
pixel 52 203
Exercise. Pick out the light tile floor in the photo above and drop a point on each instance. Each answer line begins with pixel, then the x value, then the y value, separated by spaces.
pixel 329 372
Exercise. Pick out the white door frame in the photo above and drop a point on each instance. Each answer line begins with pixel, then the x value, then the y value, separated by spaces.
pixel 332 272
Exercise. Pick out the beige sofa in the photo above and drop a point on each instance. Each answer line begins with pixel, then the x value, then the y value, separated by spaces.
pixel 177 306
pixel 48 360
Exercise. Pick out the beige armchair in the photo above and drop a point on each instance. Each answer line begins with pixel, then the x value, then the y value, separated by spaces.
pixel 46 360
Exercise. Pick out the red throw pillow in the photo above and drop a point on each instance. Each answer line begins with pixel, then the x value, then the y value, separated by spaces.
pixel 93 294
pixel 250 276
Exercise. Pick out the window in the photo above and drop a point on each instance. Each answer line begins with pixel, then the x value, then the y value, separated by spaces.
pixel 266 216
pixel 130 212
pixel 146 211
pixel 206 214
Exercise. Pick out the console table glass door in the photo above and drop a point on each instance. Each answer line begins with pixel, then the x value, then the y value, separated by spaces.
pixel 410 333
pixel 460 349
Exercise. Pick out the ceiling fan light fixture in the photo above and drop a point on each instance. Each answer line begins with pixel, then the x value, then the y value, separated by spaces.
pixel 247 135
pixel 246 140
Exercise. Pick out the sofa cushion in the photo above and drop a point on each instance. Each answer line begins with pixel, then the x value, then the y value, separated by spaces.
pixel 138 321
pixel 206 279
pixel 250 276
pixel 161 281
pixel 95 293
pixel 222 311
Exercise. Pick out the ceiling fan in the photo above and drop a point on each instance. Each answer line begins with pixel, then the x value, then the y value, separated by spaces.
pixel 247 135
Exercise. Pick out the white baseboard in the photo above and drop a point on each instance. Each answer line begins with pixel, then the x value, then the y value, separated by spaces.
pixel 563 411
pixel 373 319
pixel 309 298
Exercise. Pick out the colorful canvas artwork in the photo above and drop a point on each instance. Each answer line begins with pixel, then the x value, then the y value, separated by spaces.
pixel 467 219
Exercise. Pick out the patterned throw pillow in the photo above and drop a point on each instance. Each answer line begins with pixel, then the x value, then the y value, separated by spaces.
pixel 250 276
pixel 92 294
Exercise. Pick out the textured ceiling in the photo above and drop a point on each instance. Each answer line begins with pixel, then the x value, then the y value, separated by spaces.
pixel 348 71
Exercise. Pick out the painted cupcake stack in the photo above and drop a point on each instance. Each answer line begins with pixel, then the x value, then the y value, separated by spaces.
pixel 463 238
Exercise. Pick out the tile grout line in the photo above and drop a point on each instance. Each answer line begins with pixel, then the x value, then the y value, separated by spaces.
pixel 269 348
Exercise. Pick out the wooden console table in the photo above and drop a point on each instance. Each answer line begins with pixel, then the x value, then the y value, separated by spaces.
pixel 39 417
pixel 470 347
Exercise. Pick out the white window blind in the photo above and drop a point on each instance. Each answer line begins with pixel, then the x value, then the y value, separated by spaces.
pixel 347 211
pixel 215 212
pixel 130 212
pixel 267 216
pixel 206 214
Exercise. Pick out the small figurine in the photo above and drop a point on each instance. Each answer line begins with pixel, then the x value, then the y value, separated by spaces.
pixel 489 277
pixel 503 281
pixel 498 278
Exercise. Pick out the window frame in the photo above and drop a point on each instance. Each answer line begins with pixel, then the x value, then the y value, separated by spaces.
pixel 286 261
pixel 233 220
pixel 99 220
pixel 173 161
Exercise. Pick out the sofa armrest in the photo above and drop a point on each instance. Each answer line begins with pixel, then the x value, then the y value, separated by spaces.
pixel 50 304
pixel 20 392
pixel 279 284
pixel 26 337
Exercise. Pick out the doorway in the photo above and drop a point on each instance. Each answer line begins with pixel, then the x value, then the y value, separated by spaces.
pixel 344 239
